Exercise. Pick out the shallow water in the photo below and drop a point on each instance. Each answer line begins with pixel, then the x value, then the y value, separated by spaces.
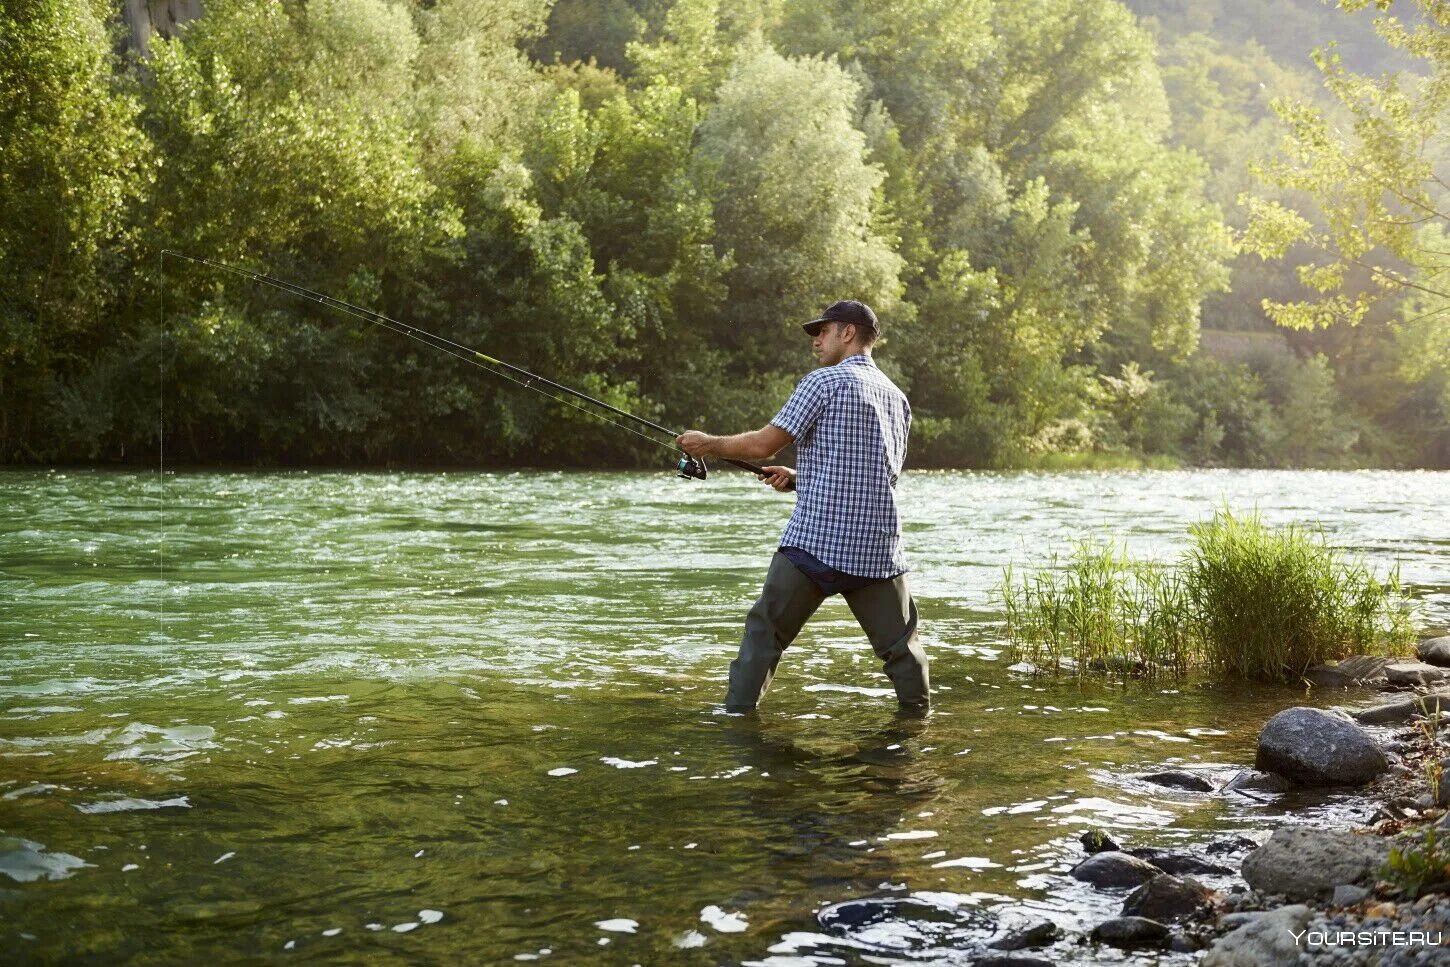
pixel 471 716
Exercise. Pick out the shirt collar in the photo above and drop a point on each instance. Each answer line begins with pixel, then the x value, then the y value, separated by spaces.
pixel 858 359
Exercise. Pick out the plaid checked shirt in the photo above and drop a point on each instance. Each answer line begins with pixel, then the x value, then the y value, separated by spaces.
pixel 850 424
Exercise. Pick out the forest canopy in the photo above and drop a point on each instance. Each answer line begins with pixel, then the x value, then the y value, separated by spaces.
pixel 1055 207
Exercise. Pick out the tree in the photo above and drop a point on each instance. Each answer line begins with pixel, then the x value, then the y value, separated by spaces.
pixel 71 161
pixel 1374 178
pixel 795 201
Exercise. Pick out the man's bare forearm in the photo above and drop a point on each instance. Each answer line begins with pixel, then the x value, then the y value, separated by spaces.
pixel 740 446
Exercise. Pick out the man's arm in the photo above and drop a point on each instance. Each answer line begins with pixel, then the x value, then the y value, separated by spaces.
pixel 761 444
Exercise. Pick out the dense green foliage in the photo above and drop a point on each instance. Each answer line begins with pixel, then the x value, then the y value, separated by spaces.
pixel 1245 601
pixel 644 198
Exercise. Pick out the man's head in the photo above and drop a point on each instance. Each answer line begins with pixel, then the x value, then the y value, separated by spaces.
pixel 846 328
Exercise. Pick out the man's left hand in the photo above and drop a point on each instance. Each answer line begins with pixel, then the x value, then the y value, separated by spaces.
pixel 695 443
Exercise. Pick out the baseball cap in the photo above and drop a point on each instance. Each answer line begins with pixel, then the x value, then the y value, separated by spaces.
pixel 847 310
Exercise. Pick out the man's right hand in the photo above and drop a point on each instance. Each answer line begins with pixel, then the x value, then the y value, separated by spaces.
pixel 781 478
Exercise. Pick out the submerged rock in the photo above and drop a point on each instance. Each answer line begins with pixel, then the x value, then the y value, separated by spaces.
pixel 1131 932
pixel 1266 941
pixel 1170 899
pixel 1118 665
pixel 1235 844
pixel 1097 841
pixel 1114 869
pixel 1038 934
pixel 1303 863
pixel 1011 960
pixel 909 925
pixel 1317 748
pixel 1181 863
pixel 1179 779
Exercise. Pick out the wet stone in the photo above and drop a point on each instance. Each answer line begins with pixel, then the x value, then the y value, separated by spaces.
pixel 1097 841
pixel 1039 934
pixel 1131 932
pixel 1170 899
pixel 1115 869
pixel 1179 779
pixel 1011 960
pixel 1237 844
pixel 908 925
pixel 1181 864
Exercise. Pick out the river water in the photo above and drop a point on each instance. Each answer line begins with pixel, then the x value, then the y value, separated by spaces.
pixel 471 717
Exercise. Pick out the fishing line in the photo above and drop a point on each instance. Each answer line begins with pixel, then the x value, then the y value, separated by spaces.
pixel 433 340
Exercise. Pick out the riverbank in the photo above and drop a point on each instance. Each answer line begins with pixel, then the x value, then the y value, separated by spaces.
pixel 1307 892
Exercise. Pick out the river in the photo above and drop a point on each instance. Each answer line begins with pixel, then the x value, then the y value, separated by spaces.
pixel 471 717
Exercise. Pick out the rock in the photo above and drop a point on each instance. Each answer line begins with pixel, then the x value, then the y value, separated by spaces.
pixel 1184 944
pixel 1403 709
pixel 1097 841
pixel 1304 862
pixel 1115 869
pixel 1435 651
pixel 1232 921
pixel 1346 895
pixel 1236 844
pixel 1008 960
pixel 1131 932
pixel 1170 899
pixel 1412 673
pixel 1181 863
pixel 1118 665
pixel 1267 941
pixel 1354 670
pixel 1038 934
pixel 1314 748
pixel 1254 783
pixel 1179 779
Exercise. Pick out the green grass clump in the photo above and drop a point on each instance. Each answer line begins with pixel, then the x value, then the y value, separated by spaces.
pixel 1274 601
pixel 1245 601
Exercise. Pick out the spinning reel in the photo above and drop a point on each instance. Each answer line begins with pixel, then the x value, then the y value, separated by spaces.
pixel 691 468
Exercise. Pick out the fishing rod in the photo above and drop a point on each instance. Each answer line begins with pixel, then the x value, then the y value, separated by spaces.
pixel 689 467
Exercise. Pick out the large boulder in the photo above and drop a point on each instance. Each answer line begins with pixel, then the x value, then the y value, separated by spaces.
pixel 1170 899
pixel 1266 941
pixel 1318 748
pixel 1304 862
pixel 1115 869
pixel 1435 651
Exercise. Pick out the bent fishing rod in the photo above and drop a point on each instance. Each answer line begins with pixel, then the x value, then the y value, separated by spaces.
pixel 689 467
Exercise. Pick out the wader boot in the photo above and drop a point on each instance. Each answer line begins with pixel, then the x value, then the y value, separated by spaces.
pixel 884 610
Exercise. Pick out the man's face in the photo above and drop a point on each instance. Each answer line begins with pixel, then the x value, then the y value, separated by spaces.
pixel 833 342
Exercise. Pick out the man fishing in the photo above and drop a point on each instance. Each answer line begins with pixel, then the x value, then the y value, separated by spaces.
pixel 849 423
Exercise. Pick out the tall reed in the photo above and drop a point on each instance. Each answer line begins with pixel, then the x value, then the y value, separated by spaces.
pixel 1273 601
pixel 1245 601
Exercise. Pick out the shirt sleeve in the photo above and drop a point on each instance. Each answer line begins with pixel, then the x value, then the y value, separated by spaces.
pixel 804 408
